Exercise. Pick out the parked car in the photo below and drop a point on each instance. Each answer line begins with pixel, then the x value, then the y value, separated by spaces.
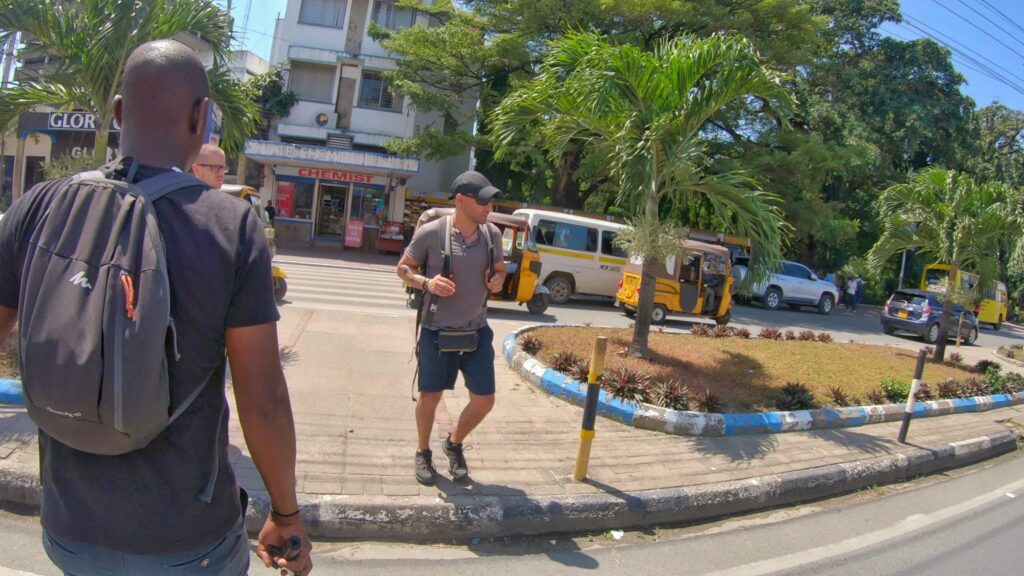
pixel 793 284
pixel 919 312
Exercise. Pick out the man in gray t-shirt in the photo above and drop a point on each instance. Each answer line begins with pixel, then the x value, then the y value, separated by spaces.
pixel 460 304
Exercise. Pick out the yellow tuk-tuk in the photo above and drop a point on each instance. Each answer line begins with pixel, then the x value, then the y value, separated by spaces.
pixel 252 196
pixel 522 261
pixel 695 282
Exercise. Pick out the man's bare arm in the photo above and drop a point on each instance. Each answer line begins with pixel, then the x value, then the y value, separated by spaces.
pixel 408 271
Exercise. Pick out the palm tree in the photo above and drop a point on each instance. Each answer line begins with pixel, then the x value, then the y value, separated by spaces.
pixel 647 114
pixel 950 219
pixel 90 41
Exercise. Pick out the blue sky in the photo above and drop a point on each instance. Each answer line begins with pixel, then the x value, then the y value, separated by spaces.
pixel 983 51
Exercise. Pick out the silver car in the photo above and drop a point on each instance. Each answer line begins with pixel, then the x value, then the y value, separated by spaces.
pixel 793 284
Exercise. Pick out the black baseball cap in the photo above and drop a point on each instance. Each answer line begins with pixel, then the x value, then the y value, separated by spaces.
pixel 474 185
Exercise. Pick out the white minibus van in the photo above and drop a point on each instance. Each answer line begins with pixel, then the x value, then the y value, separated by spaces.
pixel 578 254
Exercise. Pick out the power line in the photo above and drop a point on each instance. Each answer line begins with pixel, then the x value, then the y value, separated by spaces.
pixel 1005 17
pixel 972 9
pixel 983 31
pixel 966 53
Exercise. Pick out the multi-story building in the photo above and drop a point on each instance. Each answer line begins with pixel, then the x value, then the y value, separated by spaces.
pixel 325 165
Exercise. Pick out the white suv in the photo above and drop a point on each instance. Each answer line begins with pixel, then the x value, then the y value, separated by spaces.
pixel 793 284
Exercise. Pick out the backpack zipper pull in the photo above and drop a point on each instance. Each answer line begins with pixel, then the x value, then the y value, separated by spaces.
pixel 129 295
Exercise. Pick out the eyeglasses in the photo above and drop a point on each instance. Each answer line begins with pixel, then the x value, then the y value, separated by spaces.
pixel 214 167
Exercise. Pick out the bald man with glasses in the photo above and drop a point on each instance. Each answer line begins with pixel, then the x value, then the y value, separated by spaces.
pixel 210 166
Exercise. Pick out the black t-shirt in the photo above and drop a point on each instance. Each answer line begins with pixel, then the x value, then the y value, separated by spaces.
pixel 153 500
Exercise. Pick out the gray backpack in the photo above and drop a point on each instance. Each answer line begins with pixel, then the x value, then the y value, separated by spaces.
pixel 95 315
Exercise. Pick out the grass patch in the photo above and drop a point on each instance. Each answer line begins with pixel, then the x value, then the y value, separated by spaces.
pixel 9 357
pixel 747 374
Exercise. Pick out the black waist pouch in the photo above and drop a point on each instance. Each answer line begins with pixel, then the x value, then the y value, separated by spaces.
pixel 461 341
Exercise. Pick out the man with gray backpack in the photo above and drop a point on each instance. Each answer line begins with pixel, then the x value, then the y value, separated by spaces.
pixel 457 262
pixel 129 284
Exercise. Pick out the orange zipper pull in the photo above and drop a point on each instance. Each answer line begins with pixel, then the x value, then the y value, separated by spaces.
pixel 129 295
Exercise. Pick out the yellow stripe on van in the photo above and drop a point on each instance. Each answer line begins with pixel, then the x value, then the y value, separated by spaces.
pixel 566 253
pixel 612 260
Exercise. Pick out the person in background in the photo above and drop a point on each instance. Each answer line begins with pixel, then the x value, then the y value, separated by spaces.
pixel 850 294
pixel 210 166
pixel 271 212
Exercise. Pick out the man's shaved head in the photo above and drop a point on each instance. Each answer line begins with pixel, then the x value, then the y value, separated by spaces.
pixel 163 100
pixel 210 165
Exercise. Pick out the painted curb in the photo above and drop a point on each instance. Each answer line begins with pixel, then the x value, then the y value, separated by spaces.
pixel 686 423
pixel 465 517
pixel 11 392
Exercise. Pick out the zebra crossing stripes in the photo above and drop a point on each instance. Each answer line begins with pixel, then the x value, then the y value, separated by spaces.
pixel 373 292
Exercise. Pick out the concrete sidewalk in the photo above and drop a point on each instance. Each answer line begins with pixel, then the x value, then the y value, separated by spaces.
pixel 350 384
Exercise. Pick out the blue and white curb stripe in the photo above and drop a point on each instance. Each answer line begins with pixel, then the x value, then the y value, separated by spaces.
pixel 11 392
pixel 703 424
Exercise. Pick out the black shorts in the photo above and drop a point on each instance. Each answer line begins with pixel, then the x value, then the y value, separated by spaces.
pixel 439 370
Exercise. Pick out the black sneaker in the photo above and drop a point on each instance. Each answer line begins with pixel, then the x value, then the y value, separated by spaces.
pixel 456 459
pixel 425 471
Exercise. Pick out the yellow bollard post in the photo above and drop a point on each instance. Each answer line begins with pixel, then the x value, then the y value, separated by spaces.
pixel 590 410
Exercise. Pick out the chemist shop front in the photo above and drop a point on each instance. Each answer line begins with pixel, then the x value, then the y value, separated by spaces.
pixel 348 209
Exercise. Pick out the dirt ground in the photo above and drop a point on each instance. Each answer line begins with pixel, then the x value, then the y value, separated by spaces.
pixel 745 374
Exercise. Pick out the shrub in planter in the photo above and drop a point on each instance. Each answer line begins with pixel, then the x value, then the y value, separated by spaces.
pixel 1013 382
pixel 972 387
pixel 627 385
pixel 790 335
pixel 956 358
pixel 741 333
pixel 824 337
pixel 707 401
pixel 581 371
pixel 895 390
pixel 995 380
pixel 770 333
pixel 876 397
pixel 795 396
pixel 721 332
pixel 566 362
pixel 670 394
pixel 948 388
pixel 701 330
pixel 982 366
pixel 924 393
pixel 530 344
pixel 1017 347
pixel 837 396
pixel 807 336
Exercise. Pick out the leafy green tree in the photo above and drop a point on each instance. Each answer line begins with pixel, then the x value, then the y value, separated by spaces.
pixel 91 41
pixel 268 91
pixel 643 113
pixel 952 220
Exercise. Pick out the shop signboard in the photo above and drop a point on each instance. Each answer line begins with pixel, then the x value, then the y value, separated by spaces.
pixel 286 199
pixel 354 234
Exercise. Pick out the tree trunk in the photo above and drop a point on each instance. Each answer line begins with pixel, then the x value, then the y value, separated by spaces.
pixel 947 313
pixel 99 150
pixel 642 329
pixel 566 193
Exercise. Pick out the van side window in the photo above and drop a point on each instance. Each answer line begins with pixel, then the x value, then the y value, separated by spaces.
pixel 565 235
pixel 608 245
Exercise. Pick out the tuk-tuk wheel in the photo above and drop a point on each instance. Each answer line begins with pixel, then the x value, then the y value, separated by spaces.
pixel 629 312
pixel 723 319
pixel 658 314
pixel 538 304
pixel 280 288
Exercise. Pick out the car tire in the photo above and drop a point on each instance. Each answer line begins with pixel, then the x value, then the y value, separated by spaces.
pixel 998 325
pixel 560 288
pixel 932 335
pixel 658 314
pixel 772 298
pixel 280 289
pixel 972 337
pixel 826 304
pixel 723 320
pixel 538 304
pixel 888 330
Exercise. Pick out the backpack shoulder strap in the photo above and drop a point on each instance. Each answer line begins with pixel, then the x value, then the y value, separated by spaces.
pixel 161 185
pixel 485 229
pixel 446 247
